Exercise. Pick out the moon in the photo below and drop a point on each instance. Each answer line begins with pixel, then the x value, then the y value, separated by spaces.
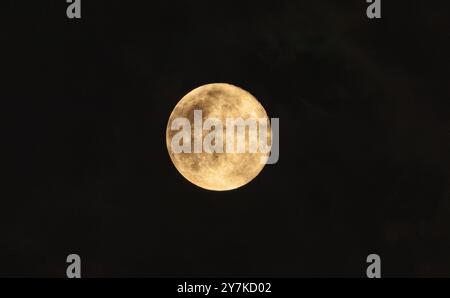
pixel 217 171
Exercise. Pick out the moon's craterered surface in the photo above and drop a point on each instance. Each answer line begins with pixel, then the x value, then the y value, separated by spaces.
pixel 218 171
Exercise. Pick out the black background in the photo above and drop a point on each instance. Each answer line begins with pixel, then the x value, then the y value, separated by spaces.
pixel 364 126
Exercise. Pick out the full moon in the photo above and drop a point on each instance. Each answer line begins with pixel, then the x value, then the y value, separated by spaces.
pixel 218 171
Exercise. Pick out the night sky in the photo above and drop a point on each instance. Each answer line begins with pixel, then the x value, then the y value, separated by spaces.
pixel 364 165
